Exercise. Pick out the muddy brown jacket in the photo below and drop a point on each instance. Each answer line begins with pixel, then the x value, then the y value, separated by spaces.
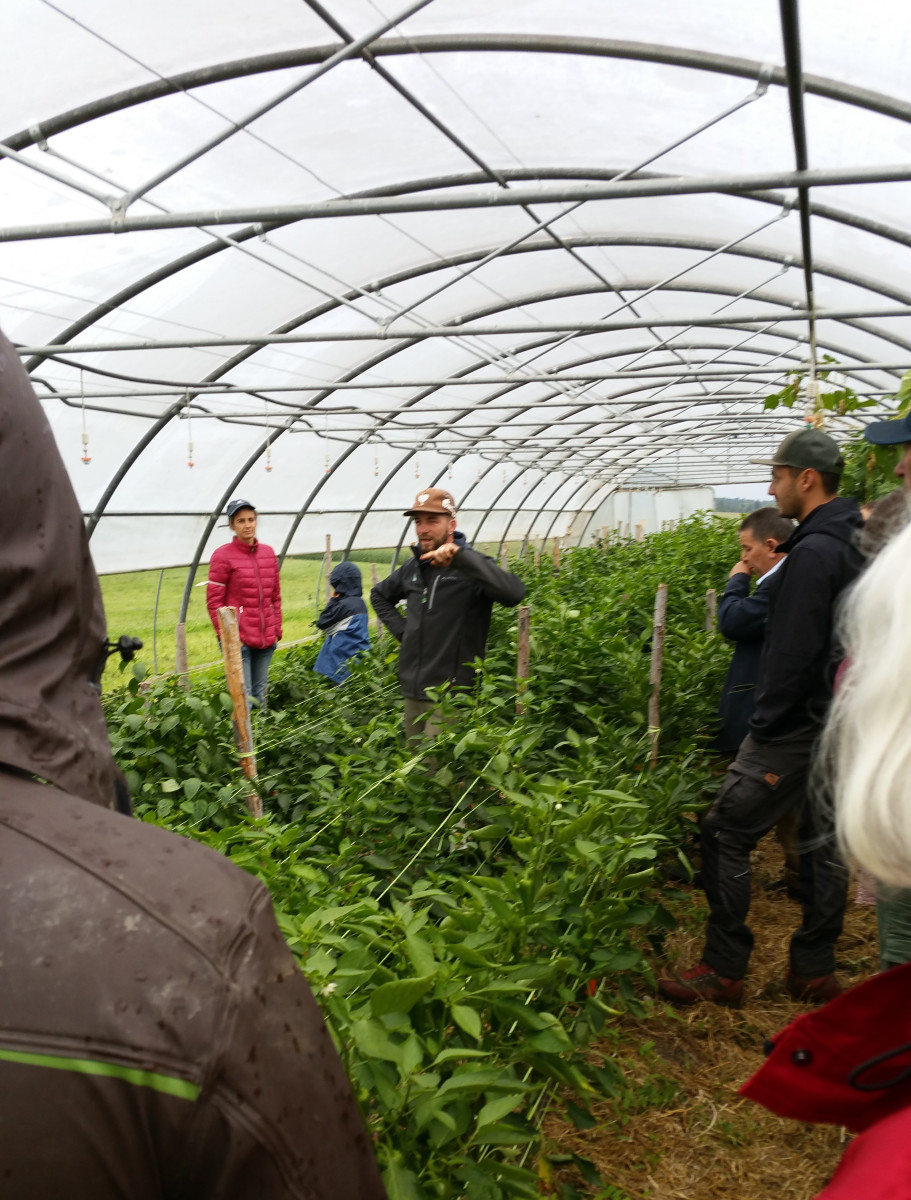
pixel 157 1041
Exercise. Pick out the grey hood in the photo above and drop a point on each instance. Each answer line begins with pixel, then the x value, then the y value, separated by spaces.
pixel 52 624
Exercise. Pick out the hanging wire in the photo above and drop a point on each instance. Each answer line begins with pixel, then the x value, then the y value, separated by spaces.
pixel 268 435
pixel 189 412
pixel 86 457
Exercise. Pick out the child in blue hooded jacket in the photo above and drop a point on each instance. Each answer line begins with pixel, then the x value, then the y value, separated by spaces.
pixel 345 621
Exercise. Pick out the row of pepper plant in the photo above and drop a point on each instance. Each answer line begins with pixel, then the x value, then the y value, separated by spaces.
pixel 473 916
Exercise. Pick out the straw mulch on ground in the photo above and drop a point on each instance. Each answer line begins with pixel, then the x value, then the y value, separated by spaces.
pixel 686 1133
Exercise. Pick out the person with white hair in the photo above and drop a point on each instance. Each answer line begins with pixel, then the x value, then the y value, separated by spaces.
pixel 850 1063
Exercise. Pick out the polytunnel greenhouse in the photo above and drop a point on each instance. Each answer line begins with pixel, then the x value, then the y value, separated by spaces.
pixel 580 265
pixel 546 254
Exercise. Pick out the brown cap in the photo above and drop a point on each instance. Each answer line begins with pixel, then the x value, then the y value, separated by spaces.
pixel 432 500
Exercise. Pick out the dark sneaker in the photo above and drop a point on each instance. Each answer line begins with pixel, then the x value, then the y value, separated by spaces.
pixel 702 982
pixel 820 990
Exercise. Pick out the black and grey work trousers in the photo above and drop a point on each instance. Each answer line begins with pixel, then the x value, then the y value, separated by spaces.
pixel 765 781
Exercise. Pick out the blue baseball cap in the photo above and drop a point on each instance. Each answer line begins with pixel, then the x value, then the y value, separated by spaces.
pixel 236 505
pixel 889 433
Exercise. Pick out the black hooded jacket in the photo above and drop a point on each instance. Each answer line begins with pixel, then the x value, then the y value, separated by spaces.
pixel 447 615
pixel 799 658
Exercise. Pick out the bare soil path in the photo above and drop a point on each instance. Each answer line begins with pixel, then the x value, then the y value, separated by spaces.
pixel 686 1133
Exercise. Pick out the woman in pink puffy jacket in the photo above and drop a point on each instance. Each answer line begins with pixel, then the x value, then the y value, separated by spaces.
pixel 244 575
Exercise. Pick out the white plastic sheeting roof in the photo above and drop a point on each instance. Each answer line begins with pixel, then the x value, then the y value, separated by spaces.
pixel 326 250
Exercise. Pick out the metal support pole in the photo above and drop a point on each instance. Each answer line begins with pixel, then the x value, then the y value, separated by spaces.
pixel 155 625
pixel 483 200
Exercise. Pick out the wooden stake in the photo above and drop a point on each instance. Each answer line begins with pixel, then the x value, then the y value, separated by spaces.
pixel 640 531
pixel 180 655
pixel 711 608
pixel 504 556
pixel 556 555
pixel 654 678
pixel 234 674
pixel 375 577
pixel 327 568
pixel 522 657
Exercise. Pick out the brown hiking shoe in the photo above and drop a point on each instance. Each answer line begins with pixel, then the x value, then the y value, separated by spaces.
pixel 820 990
pixel 702 982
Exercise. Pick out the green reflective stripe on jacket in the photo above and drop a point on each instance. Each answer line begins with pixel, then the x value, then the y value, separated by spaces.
pixel 168 1084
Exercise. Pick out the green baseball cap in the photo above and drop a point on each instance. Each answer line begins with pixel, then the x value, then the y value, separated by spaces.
pixel 806 448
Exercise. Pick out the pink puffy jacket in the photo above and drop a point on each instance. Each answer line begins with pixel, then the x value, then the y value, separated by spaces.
pixel 246 578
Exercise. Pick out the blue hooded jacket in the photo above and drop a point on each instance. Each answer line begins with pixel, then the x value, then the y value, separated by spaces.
pixel 345 621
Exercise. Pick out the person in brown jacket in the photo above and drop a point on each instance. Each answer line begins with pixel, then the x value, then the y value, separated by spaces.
pixel 157 1040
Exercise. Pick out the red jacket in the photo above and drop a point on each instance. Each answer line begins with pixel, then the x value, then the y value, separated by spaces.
pixel 245 577
pixel 849 1063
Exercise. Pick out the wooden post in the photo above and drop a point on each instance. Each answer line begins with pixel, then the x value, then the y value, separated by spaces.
pixel 375 577
pixel 556 555
pixel 711 607
pixel 504 556
pixel 234 674
pixel 180 655
pixel 640 531
pixel 654 678
pixel 327 569
pixel 522 658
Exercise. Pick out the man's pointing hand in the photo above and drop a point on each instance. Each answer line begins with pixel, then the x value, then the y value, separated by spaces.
pixel 442 556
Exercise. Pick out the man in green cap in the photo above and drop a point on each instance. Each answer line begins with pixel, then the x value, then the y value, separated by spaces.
pixel 768 778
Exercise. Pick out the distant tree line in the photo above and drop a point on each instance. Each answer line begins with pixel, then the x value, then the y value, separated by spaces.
pixel 738 505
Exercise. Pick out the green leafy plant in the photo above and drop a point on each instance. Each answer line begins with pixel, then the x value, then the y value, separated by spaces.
pixel 468 926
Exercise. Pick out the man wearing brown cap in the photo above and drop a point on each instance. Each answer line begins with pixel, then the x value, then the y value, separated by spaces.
pixel 768 778
pixel 449 591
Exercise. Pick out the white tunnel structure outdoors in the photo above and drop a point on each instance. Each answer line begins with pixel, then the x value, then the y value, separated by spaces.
pixel 548 255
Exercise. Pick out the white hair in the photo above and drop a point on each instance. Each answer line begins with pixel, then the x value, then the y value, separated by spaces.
pixel 866 745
